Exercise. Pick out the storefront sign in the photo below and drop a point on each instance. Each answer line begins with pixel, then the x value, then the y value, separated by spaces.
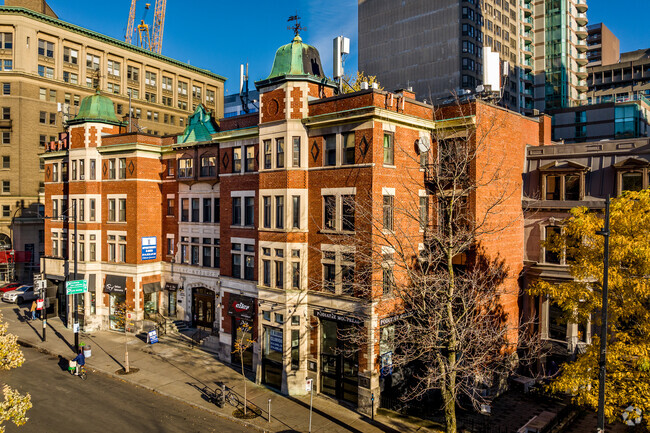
pixel 275 340
pixel 171 287
pixel 241 306
pixel 388 320
pixel 338 317
pixel 152 336
pixel 115 284
pixel 149 247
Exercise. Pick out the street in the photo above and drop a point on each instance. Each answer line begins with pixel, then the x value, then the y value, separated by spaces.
pixel 65 403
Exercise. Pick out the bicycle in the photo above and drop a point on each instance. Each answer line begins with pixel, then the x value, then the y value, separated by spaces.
pixel 72 369
pixel 231 398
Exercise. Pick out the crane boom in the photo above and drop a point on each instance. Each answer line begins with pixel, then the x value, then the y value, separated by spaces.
pixel 158 26
pixel 131 24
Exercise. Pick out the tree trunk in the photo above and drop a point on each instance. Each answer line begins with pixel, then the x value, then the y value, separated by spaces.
pixel 450 410
pixel 243 375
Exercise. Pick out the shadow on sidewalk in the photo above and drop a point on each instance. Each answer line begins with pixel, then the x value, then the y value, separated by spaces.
pixel 61 337
pixel 28 322
pixel 94 341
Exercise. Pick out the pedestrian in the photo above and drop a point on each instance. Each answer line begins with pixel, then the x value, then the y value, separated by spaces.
pixel 33 310
pixel 80 360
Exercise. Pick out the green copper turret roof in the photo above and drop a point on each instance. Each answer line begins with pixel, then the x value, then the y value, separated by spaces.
pixel 200 127
pixel 297 58
pixel 96 108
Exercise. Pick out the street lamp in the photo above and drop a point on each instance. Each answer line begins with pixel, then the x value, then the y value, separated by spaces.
pixel 603 331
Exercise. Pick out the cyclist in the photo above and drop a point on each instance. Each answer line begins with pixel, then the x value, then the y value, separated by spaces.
pixel 80 360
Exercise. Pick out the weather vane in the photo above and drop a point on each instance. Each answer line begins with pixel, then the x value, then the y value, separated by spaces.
pixel 296 27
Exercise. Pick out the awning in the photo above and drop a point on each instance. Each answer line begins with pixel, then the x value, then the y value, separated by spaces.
pixel 115 284
pixel 151 287
pixel 171 287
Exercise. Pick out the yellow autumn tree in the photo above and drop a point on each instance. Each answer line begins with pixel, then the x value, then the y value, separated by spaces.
pixel 352 83
pixel 15 405
pixel 628 338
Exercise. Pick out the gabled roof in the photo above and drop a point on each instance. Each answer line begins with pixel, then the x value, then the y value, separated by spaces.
pixel 632 162
pixel 200 127
pixel 565 165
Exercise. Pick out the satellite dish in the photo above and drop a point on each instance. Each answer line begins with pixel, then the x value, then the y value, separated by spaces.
pixel 424 144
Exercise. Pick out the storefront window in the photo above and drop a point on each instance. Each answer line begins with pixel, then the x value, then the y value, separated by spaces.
pixel 117 311
pixel 272 357
pixel 151 303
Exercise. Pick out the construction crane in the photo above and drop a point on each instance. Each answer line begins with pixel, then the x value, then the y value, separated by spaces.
pixel 150 40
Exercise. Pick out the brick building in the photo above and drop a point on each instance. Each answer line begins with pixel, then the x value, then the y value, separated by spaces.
pixel 259 221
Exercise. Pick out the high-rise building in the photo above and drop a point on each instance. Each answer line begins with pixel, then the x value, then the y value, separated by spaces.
pixel 603 47
pixel 625 80
pixel 559 36
pixel 436 48
pixel 47 66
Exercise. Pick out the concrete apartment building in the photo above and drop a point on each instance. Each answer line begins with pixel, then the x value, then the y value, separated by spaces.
pixel 47 63
pixel 436 48
pixel 255 221
pixel 626 80
pixel 603 47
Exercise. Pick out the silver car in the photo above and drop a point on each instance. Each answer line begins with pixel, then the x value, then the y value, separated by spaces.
pixel 20 295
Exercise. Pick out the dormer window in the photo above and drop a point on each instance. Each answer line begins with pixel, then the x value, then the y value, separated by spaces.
pixel 208 165
pixel 185 167
pixel 632 175
pixel 563 181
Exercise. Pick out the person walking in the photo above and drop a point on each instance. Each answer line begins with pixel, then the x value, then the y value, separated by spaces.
pixel 80 360
pixel 33 310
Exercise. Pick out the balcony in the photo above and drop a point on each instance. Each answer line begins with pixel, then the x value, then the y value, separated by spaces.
pixel 528 8
pixel 528 37
pixel 582 73
pixel 528 51
pixel 581 46
pixel 5 123
pixel 581 32
pixel 528 23
pixel 582 60
pixel 581 5
pixel 581 18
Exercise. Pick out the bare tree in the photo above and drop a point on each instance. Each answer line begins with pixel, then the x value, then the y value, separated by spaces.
pixel 434 255
pixel 242 344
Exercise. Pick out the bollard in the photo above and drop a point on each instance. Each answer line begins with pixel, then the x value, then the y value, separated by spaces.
pixel 269 410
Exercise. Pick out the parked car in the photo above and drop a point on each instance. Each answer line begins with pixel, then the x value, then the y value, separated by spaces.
pixel 9 287
pixel 20 295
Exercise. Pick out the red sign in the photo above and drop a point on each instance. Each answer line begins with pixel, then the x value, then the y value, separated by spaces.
pixel 40 303
pixel 241 306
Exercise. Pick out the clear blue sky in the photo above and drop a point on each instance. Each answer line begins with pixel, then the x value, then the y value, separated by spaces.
pixel 219 35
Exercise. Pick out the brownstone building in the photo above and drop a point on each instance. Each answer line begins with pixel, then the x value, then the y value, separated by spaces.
pixel 258 221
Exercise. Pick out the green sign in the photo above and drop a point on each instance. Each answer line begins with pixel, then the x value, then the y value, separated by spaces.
pixel 75 287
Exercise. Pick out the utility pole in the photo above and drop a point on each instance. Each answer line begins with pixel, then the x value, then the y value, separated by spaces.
pixel 75 326
pixel 603 330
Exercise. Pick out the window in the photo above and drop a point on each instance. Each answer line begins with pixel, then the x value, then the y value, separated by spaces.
pixel 632 181
pixel 70 77
pixel 113 68
pixel 122 168
pixel 295 349
pixel 6 41
pixel 91 169
pixel 389 157
pixel 329 272
pixel 279 212
pixel 150 78
pixel 296 211
pixel 249 211
pixel 55 172
pixel 279 274
pixel 6 138
pixel 113 88
pixel 6 113
pixel 279 152
pixel 296 152
pixel 70 55
pixel 111 210
pixel 185 166
pixel 209 96
pixel 111 168
pixel 236 265
pixel 207 209
pixel 122 209
pixel 250 158
pixel 267 154
pixel 217 254
pixel 45 71
pixel 348 151
pixel 249 267
pixel 424 212
pixel 217 210
pixel 388 279
pixel 132 73
pixel 92 62
pixel 388 212
pixel 330 150
pixel 82 209
pixel 6 210
pixel 329 205
pixel 52 119
pixel 5 162
pixel 55 209
pixel 167 83
pixel 347 209
pixel 8 65
pixel 266 212
pixel 150 97
pixel 347 274
pixel 549 256
pixel 74 170
pixel 266 273
pixel 6 187
pixel 236 211
pixel 195 210
pixel 182 90
pixel 45 48
pixel 236 160
pixel 196 92
pixel 92 246
pixel 185 209
pixel 6 88
pixel 93 211
pixel 207 256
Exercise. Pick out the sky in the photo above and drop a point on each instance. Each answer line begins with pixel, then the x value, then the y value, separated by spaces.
pixel 220 35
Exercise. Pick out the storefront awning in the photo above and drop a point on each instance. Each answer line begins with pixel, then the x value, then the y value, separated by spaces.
pixel 151 287
pixel 115 284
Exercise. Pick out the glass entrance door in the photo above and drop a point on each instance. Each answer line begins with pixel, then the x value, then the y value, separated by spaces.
pixel 203 307
pixel 171 304
pixel 339 373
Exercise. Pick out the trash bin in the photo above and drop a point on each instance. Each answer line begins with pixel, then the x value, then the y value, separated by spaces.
pixel 87 352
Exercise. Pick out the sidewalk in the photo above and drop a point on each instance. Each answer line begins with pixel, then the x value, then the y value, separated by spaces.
pixel 181 374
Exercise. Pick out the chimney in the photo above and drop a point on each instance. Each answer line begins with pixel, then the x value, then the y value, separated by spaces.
pixel 545 130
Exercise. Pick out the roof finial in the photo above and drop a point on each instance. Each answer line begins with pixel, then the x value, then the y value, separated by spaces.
pixel 296 27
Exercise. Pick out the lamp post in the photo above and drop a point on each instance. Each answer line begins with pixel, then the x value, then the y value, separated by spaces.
pixel 603 331
pixel 75 326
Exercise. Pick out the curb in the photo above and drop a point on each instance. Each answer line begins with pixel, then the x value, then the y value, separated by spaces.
pixel 26 343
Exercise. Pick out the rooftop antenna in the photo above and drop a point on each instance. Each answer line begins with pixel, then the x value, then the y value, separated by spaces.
pixel 297 27
pixel 341 48
pixel 243 88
